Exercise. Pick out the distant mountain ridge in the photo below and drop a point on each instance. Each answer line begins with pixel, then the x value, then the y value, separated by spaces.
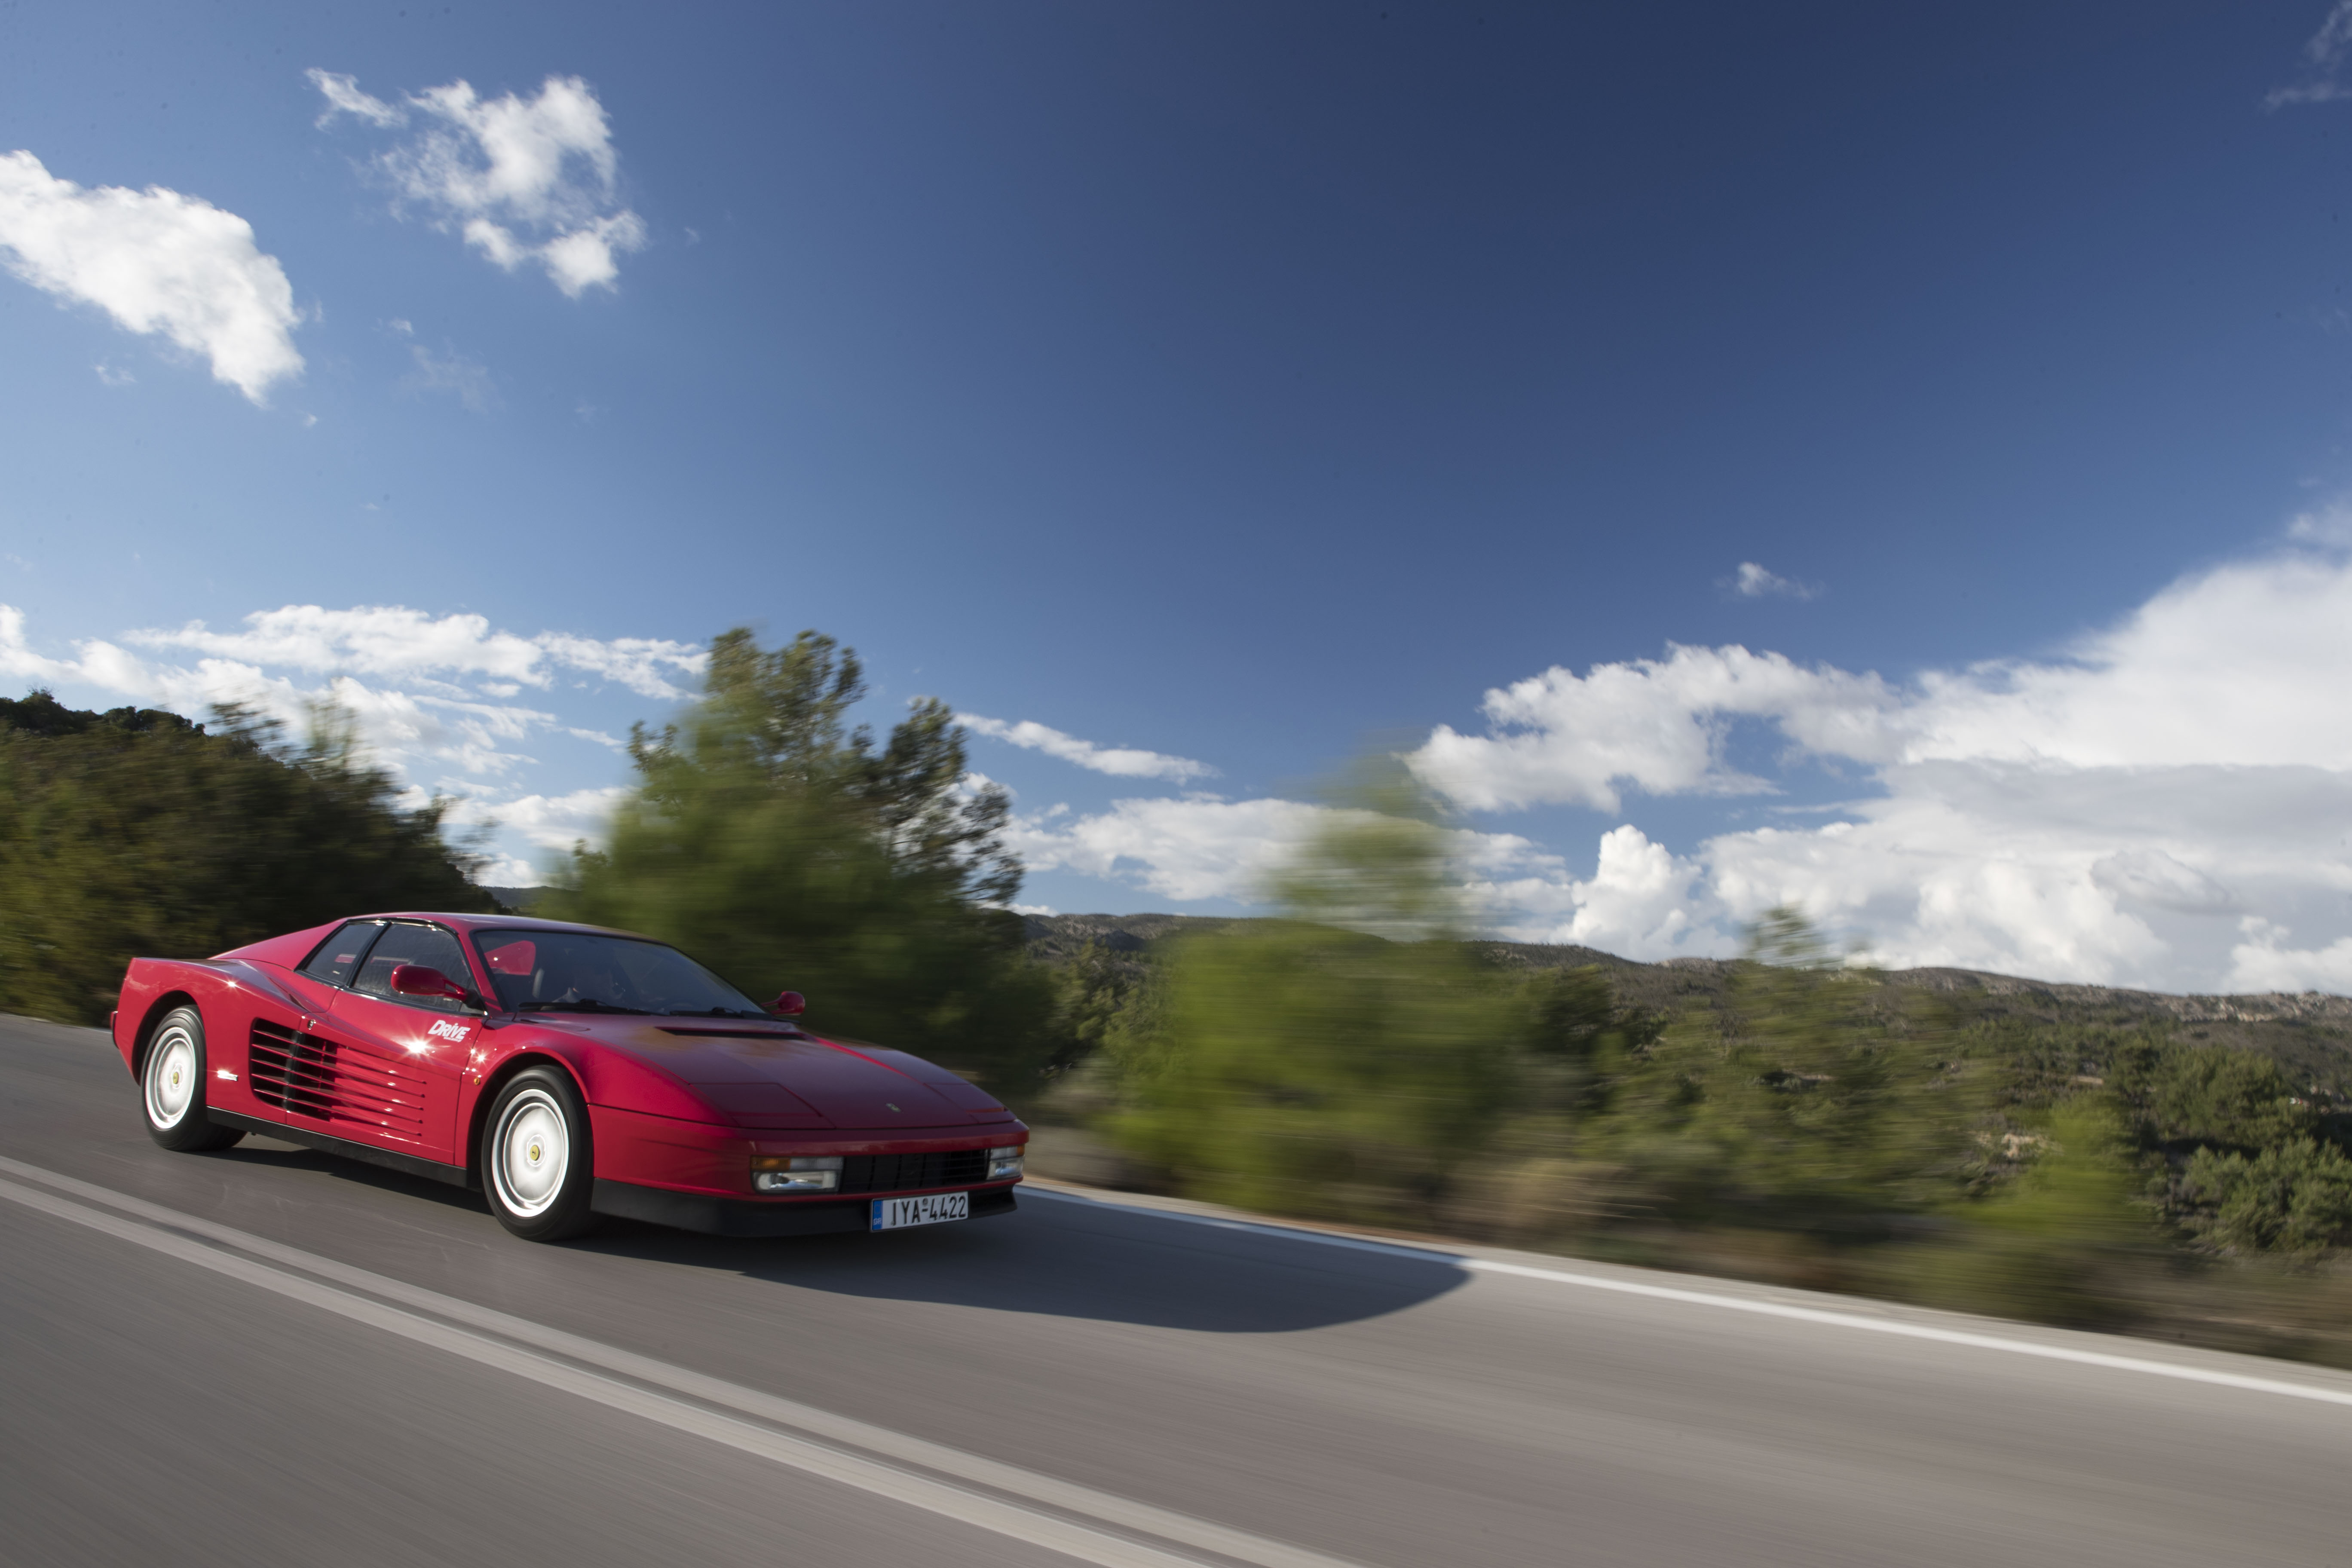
pixel 2310 1032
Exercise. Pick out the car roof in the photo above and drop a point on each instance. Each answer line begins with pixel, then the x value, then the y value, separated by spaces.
pixel 473 922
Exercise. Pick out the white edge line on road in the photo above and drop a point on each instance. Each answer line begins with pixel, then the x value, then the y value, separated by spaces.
pixel 154 1228
pixel 1894 1326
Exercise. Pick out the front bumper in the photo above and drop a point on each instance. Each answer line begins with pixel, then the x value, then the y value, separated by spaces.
pixel 714 1215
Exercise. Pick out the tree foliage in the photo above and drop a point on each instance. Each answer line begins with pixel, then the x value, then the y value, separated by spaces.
pixel 134 832
pixel 1815 1098
pixel 1347 1060
pixel 786 849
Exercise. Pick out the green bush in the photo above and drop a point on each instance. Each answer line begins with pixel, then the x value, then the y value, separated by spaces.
pixel 2049 1243
pixel 2294 1199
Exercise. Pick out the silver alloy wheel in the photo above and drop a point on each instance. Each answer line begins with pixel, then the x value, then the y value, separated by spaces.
pixel 170 1086
pixel 530 1152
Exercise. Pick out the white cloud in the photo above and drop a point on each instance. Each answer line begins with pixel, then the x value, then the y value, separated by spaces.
pixel 1180 849
pixel 1640 902
pixel 1199 846
pixel 383 664
pixel 549 822
pixel 392 640
pixel 1120 761
pixel 2110 814
pixel 1657 724
pixel 522 180
pixel 2262 962
pixel 1753 581
pixel 157 262
pixel 344 96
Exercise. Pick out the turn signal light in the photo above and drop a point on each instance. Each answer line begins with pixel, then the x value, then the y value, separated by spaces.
pixel 1005 1164
pixel 795 1173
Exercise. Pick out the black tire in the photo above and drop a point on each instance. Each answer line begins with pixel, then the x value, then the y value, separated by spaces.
pixel 171 1079
pixel 538 1157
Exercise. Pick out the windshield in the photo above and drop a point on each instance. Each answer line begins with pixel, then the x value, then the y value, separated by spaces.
pixel 552 970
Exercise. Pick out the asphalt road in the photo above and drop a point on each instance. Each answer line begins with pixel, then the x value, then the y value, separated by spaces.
pixel 270 1356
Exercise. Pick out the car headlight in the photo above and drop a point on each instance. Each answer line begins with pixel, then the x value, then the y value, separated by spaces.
pixel 1005 1164
pixel 795 1173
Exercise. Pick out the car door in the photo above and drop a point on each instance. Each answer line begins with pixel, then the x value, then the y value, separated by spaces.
pixel 280 1052
pixel 389 1075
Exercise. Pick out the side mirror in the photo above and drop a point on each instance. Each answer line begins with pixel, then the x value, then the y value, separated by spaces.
pixel 423 980
pixel 790 1005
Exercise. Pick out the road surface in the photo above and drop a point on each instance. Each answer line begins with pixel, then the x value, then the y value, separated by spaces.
pixel 271 1357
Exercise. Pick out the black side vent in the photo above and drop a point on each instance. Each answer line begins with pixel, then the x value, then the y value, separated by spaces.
pixel 913 1172
pixel 283 1067
pixel 304 1075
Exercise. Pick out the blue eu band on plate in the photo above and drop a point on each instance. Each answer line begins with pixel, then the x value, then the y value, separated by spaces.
pixel 891 1214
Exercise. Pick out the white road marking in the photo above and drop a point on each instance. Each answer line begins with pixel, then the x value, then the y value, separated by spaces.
pixel 809 1446
pixel 1473 1264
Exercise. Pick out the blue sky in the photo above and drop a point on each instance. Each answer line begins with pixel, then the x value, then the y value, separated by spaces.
pixel 1243 386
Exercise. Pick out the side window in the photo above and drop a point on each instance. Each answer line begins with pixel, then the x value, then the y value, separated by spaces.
pixel 337 958
pixel 516 969
pixel 405 943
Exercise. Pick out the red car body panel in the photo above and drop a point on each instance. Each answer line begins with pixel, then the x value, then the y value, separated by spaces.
pixel 676 1106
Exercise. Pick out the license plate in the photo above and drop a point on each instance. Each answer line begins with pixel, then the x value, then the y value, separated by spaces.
pixel 890 1214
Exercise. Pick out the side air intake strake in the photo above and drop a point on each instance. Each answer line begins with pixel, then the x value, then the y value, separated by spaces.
pixel 308 1076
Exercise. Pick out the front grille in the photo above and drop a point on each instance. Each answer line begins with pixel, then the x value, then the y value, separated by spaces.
pixel 308 1075
pixel 912 1172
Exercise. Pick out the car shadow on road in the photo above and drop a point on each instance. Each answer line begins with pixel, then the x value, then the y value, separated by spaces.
pixel 1066 1258
pixel 1055 1257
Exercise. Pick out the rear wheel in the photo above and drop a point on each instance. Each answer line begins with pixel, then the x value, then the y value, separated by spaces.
pixel 171 1086
pixel 538 1165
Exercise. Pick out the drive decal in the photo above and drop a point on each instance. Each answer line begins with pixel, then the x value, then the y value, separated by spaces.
pixel 443 1029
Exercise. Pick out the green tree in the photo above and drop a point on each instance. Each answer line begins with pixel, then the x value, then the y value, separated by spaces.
pixel 786 849
pixel 2295 1198
pixel 2180 1096
pixel 1342 1061
pixel 135 832
pixel 1815 1098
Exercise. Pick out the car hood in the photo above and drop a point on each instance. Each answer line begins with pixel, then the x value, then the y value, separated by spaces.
pixel 781 1079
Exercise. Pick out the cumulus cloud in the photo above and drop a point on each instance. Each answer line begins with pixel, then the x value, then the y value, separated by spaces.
pixel 1753 581
pixel 1659 725
pixel 524 180
pixel 158 262
pixel 1120 761
pixel 2116 814
pixel 2263 963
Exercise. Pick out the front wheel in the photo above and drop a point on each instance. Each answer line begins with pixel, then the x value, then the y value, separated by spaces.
pixel 171 1086
pixel 539 1165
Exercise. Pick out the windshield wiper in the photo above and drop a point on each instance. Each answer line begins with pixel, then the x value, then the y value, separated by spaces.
pixel 713 1012
pixel 586 1004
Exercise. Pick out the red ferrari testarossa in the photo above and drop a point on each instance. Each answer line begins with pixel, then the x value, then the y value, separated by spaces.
pixel 565 1070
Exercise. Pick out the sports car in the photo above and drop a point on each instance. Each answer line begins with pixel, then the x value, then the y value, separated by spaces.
pixel 566 1071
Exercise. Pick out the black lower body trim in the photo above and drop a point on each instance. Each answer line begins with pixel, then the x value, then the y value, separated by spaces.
pixel 327 1143
pixel 747 1217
